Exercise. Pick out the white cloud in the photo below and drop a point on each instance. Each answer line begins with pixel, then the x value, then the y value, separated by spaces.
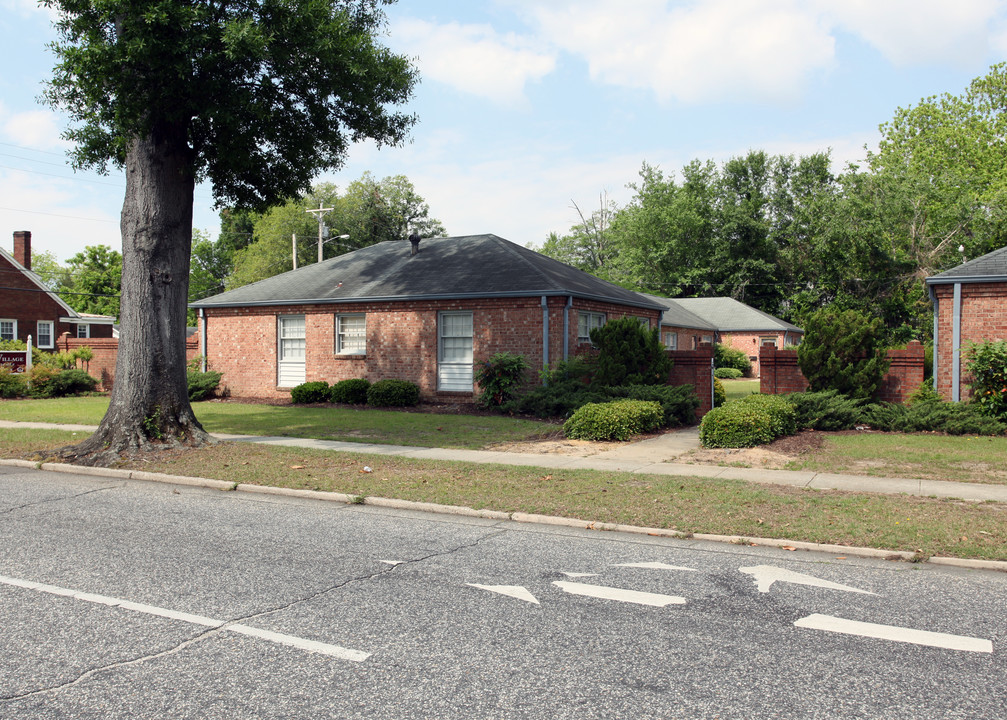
pixel 910 32
pixel 474 58
pixel 37 129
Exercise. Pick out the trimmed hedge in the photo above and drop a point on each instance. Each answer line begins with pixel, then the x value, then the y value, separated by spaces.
pixel 728 373
pixel 827 410
pixel 393 393
pixel 351 392
pixel 750 421
pixel 202 385
pixel 719 394
pixel 12 385
pixel 678 403
pixel 616 420
pixel 316 391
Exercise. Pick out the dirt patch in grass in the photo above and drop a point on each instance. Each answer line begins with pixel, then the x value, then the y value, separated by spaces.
pixel 777 455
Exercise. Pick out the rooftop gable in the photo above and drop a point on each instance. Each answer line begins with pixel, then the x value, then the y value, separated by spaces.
pixel 37 281
pixel 723 314
pixel 990 267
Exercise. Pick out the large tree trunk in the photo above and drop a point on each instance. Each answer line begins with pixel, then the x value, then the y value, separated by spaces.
pixel 149 405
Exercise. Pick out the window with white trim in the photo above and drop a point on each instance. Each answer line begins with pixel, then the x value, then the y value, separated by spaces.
pixel 292 342
pixel 671 340
pixel 83 330
pixel 586 322
pixel 768 341
pixel 8 329
pixel 43 337
pixel 351 334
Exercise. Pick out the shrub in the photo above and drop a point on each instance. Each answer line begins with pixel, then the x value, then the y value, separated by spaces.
pixel 616 420
pixel 752 420
pixel 556 400
pixel 12 385
pixel 351 392
pixel 202 385
pixel 826 410
pixel 499 378
pixel 728 373
pixel 933 416
pixel 924 393
pixel 842 350
pixel 48 382
pixel 393 393
pixel 987 363
pixel 719 394
pixel 726 357
pixel 629 354
pixel 678 403
pixel 13 345
pixel 316 391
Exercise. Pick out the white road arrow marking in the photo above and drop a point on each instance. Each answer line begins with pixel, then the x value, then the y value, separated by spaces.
pixel 515 591
pixel 766 575
pixel 580 575
pixel 895 633
pixel 611 593
pixel 222 625
pixel 656 566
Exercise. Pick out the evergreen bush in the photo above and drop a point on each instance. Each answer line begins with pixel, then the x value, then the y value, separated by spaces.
pixel 826 410
pixel 392 392
pixel 616 420
pixel 843 351
pixel 629 354
pixel 499 378
pixel 727 373
pixel 316 391
pixel 725 357
pixel 202 385
pixel 350 392
pixel 678 403
pixel 12 385
pixel 719 394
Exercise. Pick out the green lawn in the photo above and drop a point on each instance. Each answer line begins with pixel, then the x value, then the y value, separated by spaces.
pixel 735 389
pixel 387 427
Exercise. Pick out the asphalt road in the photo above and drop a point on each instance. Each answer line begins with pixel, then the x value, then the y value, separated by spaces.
pixel 122 599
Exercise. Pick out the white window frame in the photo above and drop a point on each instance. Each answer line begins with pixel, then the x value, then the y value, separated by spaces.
pixel 38 336
pixel 671 340
pixel 455 375
pixel 86 328
pixel 281 336
pixel 350 340
pixel 587 320
pixel 13 323
pixel 769 340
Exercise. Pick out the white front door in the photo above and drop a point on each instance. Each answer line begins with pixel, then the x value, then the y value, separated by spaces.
pixel 454 351
pixel 290 350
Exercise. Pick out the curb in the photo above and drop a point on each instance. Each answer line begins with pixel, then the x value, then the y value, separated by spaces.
pixel 531 518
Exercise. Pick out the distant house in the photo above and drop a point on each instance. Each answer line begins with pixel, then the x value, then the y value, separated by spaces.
pixel 687 322
pixel 29 308
pixel 422 312
pixel 970 305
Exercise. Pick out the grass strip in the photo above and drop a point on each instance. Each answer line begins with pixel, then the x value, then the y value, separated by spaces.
pixel 928 526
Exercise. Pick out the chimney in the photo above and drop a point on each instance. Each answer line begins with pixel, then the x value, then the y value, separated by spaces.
pixel 415 240
pixel 22 247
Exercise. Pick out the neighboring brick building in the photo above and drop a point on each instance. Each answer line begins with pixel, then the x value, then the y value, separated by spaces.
pixel 422 313
pixel 687 322
pixel 970 305
pixel 28 307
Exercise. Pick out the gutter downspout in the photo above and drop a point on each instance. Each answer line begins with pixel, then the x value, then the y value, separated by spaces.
pixel 936 303
pixel 202 338
pixel 545 333
pixel 566 327
pixel 956 345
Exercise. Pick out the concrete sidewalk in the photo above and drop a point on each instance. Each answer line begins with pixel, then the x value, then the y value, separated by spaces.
pixel 654 456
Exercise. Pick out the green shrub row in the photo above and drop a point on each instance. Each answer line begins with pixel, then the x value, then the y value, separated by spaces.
pixel 615 420
pixel 357 391
pixel 752 420
pixel 46 382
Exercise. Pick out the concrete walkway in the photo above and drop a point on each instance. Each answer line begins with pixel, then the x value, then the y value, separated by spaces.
pixel 653 456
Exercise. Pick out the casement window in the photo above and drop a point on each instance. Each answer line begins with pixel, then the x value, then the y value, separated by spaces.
pixel 43 338
pixel 83 331
pixel 671 340
pixel 454 353
pixel 586 322
pixel 8 329
pixel 351 334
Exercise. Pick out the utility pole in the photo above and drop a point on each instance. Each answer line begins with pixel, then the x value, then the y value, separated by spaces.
pixel 293 242
pixel 319 213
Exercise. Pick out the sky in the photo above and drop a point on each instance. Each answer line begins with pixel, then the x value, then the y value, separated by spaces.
pixel 529 109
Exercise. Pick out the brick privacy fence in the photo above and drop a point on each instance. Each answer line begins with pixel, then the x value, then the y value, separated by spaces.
pixel 106 350
pixel 781 374
pixel 694 367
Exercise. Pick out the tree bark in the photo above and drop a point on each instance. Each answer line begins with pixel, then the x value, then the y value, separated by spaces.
pixel 149 404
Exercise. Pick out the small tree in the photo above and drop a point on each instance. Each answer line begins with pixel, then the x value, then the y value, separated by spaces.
pixel 843 351
pixel 499 378
pixel 629 354
pixel 987 363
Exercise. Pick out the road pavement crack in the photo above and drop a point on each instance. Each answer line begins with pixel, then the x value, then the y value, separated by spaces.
pixel 49 501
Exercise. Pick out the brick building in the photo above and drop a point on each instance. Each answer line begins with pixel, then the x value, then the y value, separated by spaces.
pixel 970 305
pixel 687 322
pixel 422 312
pixel 28 307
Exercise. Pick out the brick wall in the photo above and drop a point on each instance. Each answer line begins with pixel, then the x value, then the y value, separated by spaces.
pixel 781 374
pixel 105 351
pixel 401 339
pixel 22 300
pixel 750 343
pixel 694 367
pixel 983 317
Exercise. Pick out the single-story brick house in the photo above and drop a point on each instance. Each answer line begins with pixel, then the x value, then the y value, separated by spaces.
pixel 420 311
pixel 970 305
pixel 29 307
pixel 687 322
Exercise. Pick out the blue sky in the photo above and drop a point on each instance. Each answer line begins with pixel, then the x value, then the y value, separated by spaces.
pixel 529 106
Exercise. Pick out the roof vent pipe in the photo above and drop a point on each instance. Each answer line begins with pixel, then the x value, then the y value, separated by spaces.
pixel 414 239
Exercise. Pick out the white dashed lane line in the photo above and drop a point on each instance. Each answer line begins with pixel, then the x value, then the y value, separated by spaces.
pixel 314 646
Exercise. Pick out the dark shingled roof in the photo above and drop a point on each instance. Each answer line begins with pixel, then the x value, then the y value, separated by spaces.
pixel 720 313
pixel 474 266
pixel 991 267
